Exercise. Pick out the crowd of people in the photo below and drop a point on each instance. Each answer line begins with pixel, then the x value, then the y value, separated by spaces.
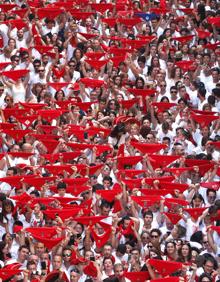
pixel 110 141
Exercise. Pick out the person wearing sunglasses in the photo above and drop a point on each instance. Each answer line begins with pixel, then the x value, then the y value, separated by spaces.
pixel 66 255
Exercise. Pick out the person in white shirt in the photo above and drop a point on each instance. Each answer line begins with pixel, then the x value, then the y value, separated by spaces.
pixel 2 95
pixel 61 189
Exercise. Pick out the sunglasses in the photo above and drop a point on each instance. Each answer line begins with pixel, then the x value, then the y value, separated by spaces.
pixel 154 236
pixel 173 91
pixel 41 70
pixel 67 255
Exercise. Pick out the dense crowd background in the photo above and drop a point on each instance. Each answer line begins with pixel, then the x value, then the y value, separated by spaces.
pixel 110 141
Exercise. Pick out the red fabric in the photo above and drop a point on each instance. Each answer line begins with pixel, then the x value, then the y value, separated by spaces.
pixel 148 148
pixel 183 39
pixel 195 212
pixel 215 185
pixel 101 239
pixel 21 12
pixel 102 7
pixel 204 120
pixel 165 267
pixel 15 74
pixel 91 270
pixel 140 276
pixel 129 22
pixel 7 7
pixel 96 64
pixel 162 161
pixel 89 220
pixel 110 21
pixel 173 217
pixel 63 213
pixel 49 13
pixel 6 273
pixel 94 55
pixel 46 232
pixel 202 33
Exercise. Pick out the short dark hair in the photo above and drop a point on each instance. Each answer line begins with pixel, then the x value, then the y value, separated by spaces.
pixel 61 185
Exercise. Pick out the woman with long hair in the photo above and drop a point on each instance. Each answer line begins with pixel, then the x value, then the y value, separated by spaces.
pixel 185 253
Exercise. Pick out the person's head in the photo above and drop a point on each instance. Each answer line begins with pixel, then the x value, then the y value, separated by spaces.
pixel 135 254
pixel 185 252
pixel 74 275
pixel 61 188
pixel 41 71
pixel 57 262
pixel 204 277
pixel 34 258
pixel 195 252
pixel 39 249
pixel 108 263
pixel 209 264
pixel 107 251
pixel 178 231
pixel 31 266
pixel 15 60
pixel 118 270
pixel 197 200
pixel 150 137
pixel 105 208
pixel 4 250
pixel 7 207
pixel 170 248
pixel 23 253
pixel 173 92
pixel 107 181
pixel 12 170
pixel 89 255
pixel 179 149
pixel 211 196
pixel 201 93
pixel 215 74
pixel 148 217
pixel 155 236
pixel 66 254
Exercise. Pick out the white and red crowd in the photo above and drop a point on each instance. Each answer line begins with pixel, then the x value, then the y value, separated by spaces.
pixel 110 141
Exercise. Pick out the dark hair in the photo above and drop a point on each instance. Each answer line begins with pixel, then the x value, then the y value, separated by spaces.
pixel 61 185
pixel 210 190
pixel 156 230
pixel 197 196
pixel 169 242
pixel 14 169
pixel 148 213
pixel 205 275
pixel 119 128
pixel 2 256
pixel 210 258
pixel 23 247
pixel 202 92
pixel 56 94
pixel 121 249
pixel 189 257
